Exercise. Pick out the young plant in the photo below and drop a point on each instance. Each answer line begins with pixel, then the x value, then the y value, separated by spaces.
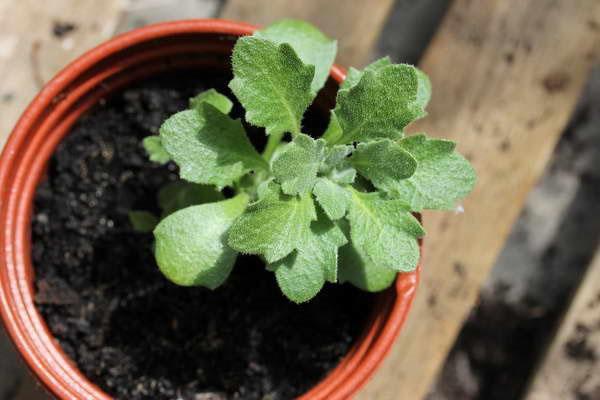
pixel 333 209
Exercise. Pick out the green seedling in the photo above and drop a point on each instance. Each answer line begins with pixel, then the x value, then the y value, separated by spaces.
pixel 338 208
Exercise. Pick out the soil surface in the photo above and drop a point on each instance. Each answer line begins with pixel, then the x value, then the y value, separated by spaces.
pixel 129 330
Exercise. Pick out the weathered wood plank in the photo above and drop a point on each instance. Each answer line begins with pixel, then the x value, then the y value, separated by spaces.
pixel 39 38
pixel 571 368
pixel 506 76
pixel 356 24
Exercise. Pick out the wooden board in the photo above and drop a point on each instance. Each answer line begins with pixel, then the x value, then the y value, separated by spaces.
pixel 356 24
pixel 35 42
pixel 571 368
pixel 506 76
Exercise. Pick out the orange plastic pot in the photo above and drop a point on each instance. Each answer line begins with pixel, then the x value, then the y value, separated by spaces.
pixel 199 44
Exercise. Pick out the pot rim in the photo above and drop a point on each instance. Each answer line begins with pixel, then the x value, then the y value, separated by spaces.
pixel 24 324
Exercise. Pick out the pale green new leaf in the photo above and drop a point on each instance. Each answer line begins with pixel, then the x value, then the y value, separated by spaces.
pixel 442 178
pixel 181 194
pixel 301 275
pixel 272 83
pixel 383 162
pixel 274 225
pixel 191 246
pixel 343 174
pixel 384 231
pixel 143 221
pixel 333 198
pixel 295 166
pixel 209 147
pixel 155 149
pixel 311 45
pixel 380 105
pixel 336 156
pixel 211 96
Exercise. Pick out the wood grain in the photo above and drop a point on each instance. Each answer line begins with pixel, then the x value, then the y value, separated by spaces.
pixel 506 76
pixel 571 367
pixel 356 24
pixel 31 53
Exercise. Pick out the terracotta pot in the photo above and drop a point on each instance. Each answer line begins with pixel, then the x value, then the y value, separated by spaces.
pixel 109 67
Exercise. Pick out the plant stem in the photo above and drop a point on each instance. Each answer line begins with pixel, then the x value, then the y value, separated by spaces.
pixel 272 144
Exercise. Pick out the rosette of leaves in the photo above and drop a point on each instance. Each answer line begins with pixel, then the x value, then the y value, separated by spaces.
pixel 338 208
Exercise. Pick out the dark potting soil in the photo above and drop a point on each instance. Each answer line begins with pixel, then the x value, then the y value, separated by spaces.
pixel 129 330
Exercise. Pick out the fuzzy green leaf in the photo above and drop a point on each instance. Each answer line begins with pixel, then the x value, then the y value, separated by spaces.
pixel 211 96
pixel 333 198
pixel 353 76
pixel 191 244
pixel 343 175
pixel 360 271
pixel 334 131
pixel 357 268
pixel 302 274
pixel 143 221
pixel 295 166
pixel 311 45
pixel 441 179
pixel 380 104
pixel 424 89
pixel 181 194
pixel 383 162
pixel 156 151
pixel 423 83
pixel 384 231
pixel 209 146
pixel 273 226
pixel 272 83
pixel 336 156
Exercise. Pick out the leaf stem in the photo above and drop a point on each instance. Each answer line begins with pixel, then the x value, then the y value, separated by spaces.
pixel 272 144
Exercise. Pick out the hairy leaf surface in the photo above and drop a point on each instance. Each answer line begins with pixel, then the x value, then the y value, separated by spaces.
pixel 384 231
pixel 296 165
pixel 311 45
pixel 272 83
pixel 155 150
pixel 191 247
pixel 302 274
pixel 383 162
pixel 442 178
pixel 209 146
pixel 274 226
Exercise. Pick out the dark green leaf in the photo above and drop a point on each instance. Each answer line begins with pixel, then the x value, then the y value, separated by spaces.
pixel 143 221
